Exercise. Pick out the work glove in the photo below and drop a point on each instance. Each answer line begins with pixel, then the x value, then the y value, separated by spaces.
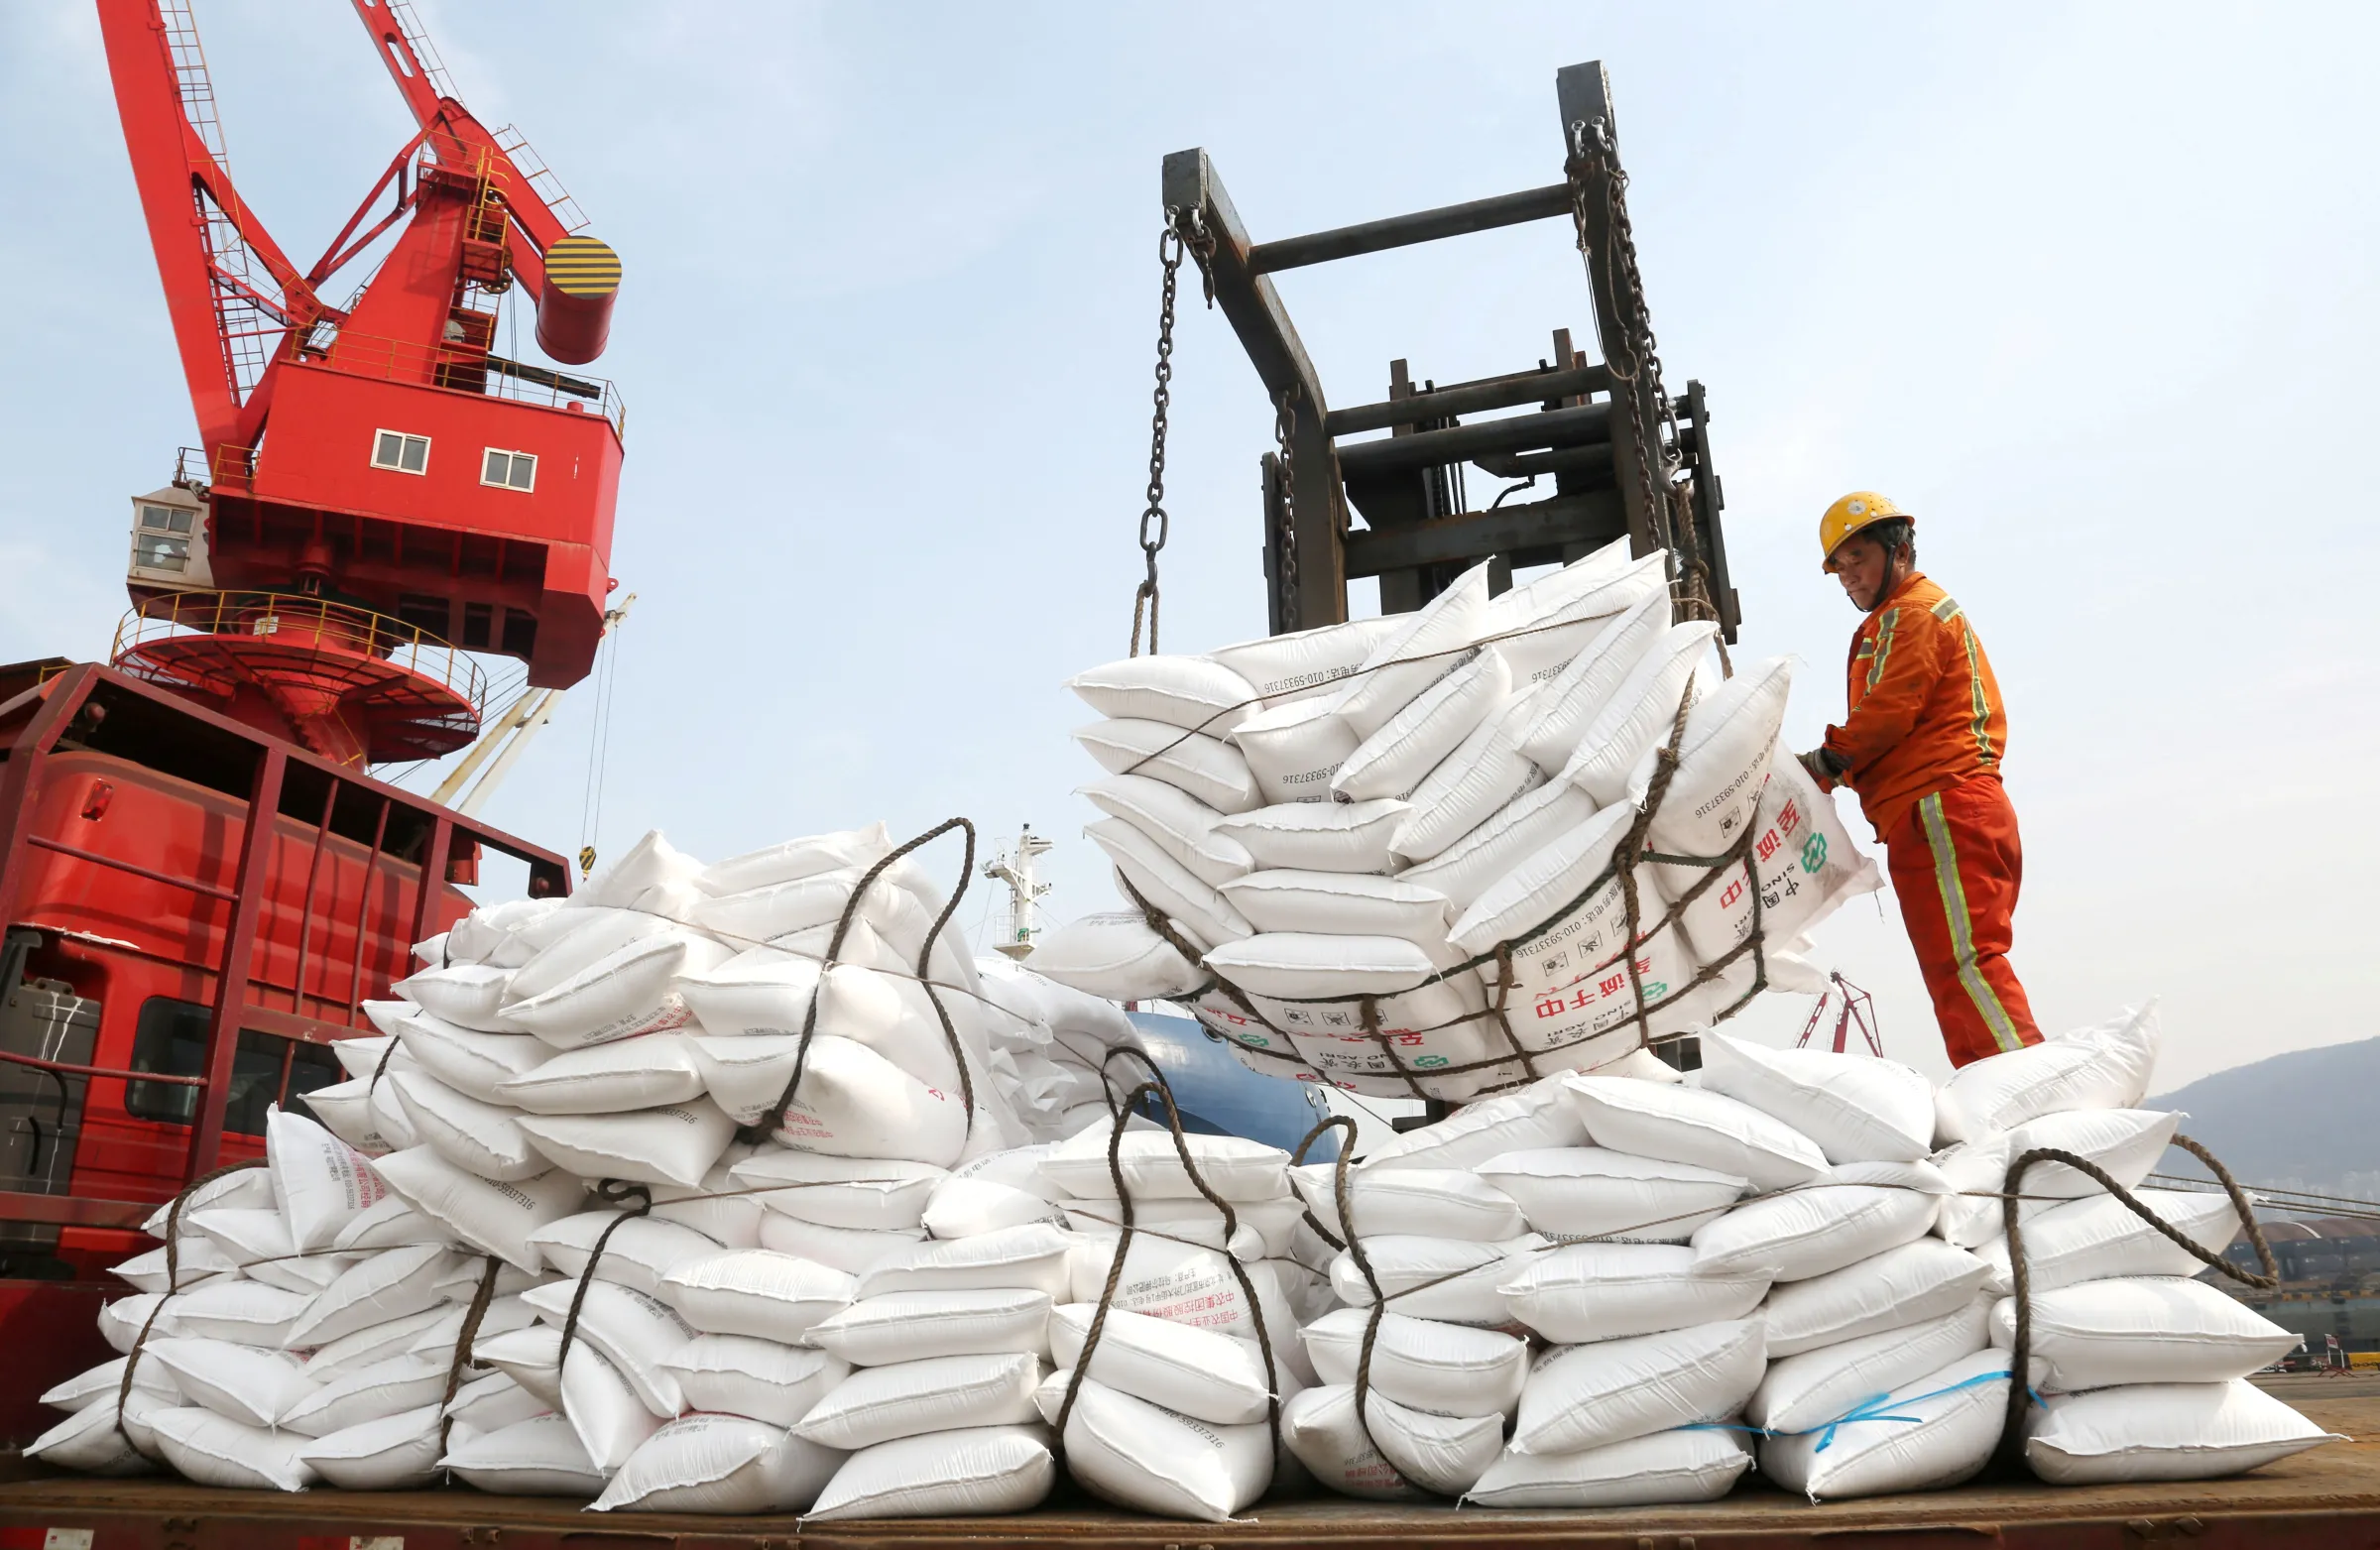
pixel 1823 767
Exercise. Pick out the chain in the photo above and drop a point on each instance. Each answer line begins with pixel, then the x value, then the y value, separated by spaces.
pixel 1635 358
pixel 1184 232
pixel 1285 430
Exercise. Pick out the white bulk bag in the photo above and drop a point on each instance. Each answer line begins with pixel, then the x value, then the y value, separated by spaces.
pixel 369 1394
pixel 1804 1392
pixel 196 1262
pixel 245 1312
pixel 249 1188
pixel 1434 1277
pixel 1318 836
pixel 2105 1066
pixel 1194 1372
pixel 538 1457
pixel 1339 902
pixel 1485 770
pixel 1722 762
pixel 531 1358
pixel 470 993
pixel 496 1399
pixel 1117 955
pixel 756 1291
pixel 1801 866
pixel 391 1129
pixel 1539 1115
pixel 1295 751
pixel 1596 1192
pixel 1424 1365
pixel 1590 1396
pixel 2124 1142
pixel 611 1078
pixel 2093 1240
pixel 804 915
pixel 634 1333
pixel 105 1380
pixel 244 1382
pixel 1231 1166
pixel 603 1408
pixel 868 1193
pixel 1180 824
pixel 1934 1431
pixel 843 850
pixel 1428 644
pixel 1575 698
pixel 961 1473
pixel 120 1322
pixel 965 1207
pixel 1581 1292
pixel 1639 716
pixel 568 943
pixel 1181 1283
pixel 1466 869
pixel 1138 1455
pixel 345 1110
pixel 1689 1125
pixel 631 992
pixel 389 1285
pixel 1032 1258
pixel 652 861
pixel 1857 1108
pixel 1868 1208
pixel 1690 1464
pixel 434 1331
pixel 1306 663
pixel 712 1209
pixel 398 1451
pixel 1207 767
pixel 1393 1453
pixel 389 1223
pixel 639 1251
pixel 2143 1330
pixel 1190 693
pixel 214 1449
pixel 90 1442
pixel 907 1326
pixel 2164 1431
pixel 1905 1285
pixel 1394 759
pixel 1183 1221
pixel 741 1375
pixel 466 1059
pixel 852 1101
pixel 1197 911
pixel 931 1394
pixel 482 1138
pixel 319 1183
pixel 1411 1202
pixel 490 1217
pixel 853 1250
pixel 719 1464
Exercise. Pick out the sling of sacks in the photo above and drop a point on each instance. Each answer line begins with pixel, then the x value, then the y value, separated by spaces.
pixel 1346 825
pixel 1611 1290
pixel 849 1316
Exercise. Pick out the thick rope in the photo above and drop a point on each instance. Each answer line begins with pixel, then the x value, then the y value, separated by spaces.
pixel 465 1339
pixel 766 1126
pixel 140 1342
pixel 1158 1087
pixel 2012 1435
pixel 636 1200
pixel 1343 1196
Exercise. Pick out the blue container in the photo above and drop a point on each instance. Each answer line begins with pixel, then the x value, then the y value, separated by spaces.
pixel 1218 1096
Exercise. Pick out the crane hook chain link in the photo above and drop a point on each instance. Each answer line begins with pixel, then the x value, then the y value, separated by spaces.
pixel 1284 432
pixel 1185 231
pixel 1635 359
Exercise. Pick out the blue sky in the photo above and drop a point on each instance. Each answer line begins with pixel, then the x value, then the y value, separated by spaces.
pixel 2089 288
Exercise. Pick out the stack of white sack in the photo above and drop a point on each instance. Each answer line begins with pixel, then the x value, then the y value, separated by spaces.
pixel 1171 1412
pixel 304 1332
pixel 2141 1365
pixel 1343 825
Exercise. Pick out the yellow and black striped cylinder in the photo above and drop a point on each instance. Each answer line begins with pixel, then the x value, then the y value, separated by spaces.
pixel 574 310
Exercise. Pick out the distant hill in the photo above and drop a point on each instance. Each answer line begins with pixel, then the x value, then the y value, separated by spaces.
pixel 2308 1119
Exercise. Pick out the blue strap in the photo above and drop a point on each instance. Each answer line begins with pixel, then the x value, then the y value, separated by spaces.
pixel 1879 1407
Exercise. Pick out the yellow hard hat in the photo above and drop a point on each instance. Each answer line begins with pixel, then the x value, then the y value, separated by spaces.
pixel 1850 514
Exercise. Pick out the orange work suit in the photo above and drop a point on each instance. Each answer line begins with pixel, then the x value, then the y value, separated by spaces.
pixel 1922 744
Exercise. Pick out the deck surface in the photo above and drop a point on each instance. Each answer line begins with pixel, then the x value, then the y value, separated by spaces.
pixel 2328 1496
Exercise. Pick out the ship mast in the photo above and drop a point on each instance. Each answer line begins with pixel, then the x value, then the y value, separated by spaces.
pixel 1015 869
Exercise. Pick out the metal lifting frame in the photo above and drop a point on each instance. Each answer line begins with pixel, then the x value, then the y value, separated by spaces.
pixel 1418 534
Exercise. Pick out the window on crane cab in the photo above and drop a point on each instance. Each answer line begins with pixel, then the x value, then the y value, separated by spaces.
pixel 170 1039
pixel 508 470
pixel 400 453
pixel 163 543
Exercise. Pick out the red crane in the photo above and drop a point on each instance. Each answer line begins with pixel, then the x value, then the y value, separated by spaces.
pixel 377 491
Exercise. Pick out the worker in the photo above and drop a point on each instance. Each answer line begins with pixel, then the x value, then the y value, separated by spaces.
pixel 1922 745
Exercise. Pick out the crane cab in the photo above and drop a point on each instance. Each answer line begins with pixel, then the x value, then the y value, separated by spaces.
pixel 169 543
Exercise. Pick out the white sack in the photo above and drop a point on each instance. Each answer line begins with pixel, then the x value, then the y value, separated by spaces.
pixel 2143 1330
pixel 1590 1396
pixel 1688 1465
pixel 1318 836
pixel 2165 1431
pixel 961 1473
pixel 1582 1293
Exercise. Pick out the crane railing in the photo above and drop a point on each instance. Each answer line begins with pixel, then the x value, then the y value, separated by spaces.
pixel 317 633
pixel 461 370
